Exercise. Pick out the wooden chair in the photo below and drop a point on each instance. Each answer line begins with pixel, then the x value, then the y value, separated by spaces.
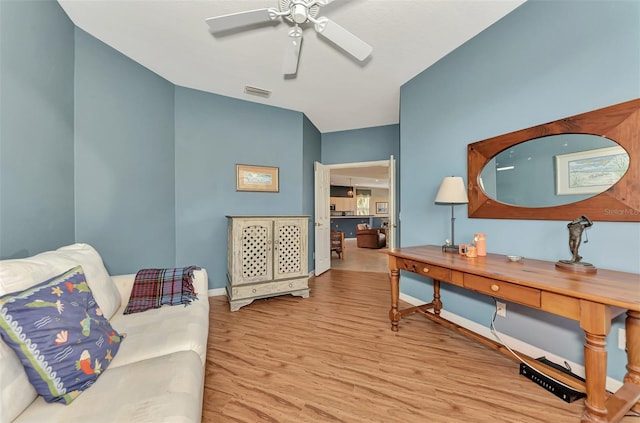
pixel 337 243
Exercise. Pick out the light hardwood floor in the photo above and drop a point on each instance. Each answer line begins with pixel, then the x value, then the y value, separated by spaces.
pixel 333 358
pixel 360 259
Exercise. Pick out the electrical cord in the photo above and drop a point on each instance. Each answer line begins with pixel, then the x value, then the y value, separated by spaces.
pixel 495 333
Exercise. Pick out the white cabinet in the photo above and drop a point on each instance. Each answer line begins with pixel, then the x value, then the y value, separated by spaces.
pixel 266 256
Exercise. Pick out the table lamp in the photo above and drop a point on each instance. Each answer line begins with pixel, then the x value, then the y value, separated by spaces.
pixel 452 191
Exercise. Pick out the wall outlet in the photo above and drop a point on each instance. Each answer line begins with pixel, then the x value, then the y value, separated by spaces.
pixel 622 339
pixel 501 309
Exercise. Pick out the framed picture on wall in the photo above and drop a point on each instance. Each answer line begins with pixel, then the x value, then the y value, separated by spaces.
pixel 257 178
pixel 591 171
pixel 382 208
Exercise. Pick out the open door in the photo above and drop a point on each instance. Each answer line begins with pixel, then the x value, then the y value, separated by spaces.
pixel 322 221
pixel 392 231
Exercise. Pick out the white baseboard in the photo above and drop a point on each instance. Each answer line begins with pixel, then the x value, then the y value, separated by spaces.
pixel 532 351
pixel 216 292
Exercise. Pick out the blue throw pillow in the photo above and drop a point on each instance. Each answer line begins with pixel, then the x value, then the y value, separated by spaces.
pixel 57 330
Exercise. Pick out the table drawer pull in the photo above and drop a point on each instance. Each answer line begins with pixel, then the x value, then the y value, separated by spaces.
pixel 495 288
pixel 425 270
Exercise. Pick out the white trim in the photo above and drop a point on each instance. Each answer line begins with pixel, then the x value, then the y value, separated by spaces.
pixel 532 351
pixel 216 292
pixel 358 164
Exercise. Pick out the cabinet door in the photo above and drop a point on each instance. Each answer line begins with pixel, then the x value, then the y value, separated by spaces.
pixel 253 254
pixel 290 248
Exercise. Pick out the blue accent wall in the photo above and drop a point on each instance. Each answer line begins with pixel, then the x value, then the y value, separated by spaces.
pixel 36 128
pixel 124 180
pixel 361 145
pixel 544 61
pixel 212 134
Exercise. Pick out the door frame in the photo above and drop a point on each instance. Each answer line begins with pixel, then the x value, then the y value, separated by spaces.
pixel 392 190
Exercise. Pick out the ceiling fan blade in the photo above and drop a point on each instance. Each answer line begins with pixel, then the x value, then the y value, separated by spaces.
pixel 292 51
pixel 235 20
pixel 324 2
pixel 343 38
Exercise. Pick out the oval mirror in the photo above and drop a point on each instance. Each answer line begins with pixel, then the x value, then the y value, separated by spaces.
pixel 582 171
pixel 554 170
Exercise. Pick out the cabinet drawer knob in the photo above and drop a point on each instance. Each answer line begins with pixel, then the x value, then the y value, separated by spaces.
pixel 425 270
pixel 253 290
pixel 291 285
pixel 495 288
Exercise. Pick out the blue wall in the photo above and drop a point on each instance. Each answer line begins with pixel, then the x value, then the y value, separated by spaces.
pixel 124 162
pixel 544 61
pixel 212 134
pixel 36 128
pixel 361 145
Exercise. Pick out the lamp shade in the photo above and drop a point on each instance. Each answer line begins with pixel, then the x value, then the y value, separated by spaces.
pixel 452 191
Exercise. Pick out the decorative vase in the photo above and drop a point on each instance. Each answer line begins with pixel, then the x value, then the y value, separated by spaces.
pixel 481 244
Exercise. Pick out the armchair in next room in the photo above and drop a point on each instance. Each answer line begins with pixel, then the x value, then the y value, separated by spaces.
pixel 370 238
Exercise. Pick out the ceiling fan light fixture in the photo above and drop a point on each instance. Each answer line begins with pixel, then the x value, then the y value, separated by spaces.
pixel 260 92
pixel 299 14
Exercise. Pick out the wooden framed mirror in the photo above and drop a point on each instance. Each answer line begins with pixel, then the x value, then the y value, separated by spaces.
pixel 587 139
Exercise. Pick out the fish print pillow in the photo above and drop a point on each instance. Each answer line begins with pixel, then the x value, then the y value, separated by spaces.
pixel 60 335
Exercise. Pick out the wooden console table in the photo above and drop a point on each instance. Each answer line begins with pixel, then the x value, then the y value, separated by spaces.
pixel 591 299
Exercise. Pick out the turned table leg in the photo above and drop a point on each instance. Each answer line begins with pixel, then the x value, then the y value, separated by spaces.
pixel 595 358
pixel 437 304
pixel 599 408
pixel 632 326
pixel 595 320
pixel 394 315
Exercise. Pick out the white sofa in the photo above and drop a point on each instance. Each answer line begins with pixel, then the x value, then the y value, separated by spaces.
pixel 156 376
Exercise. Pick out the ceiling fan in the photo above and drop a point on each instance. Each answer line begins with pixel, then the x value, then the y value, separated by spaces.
pixel 296 12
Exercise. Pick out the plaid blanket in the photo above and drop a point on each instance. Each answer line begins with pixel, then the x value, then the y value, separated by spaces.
pixel 153 288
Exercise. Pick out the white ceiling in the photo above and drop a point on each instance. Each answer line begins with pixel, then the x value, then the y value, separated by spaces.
pixel 361 176
pixel 336 92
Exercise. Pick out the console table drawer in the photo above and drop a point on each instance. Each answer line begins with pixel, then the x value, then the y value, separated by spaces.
pixel 504 290
pixel 433 272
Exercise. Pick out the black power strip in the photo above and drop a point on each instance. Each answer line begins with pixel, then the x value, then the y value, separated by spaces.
pixel 561 391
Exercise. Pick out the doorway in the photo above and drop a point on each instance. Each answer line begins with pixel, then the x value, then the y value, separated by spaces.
pixel 375 181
